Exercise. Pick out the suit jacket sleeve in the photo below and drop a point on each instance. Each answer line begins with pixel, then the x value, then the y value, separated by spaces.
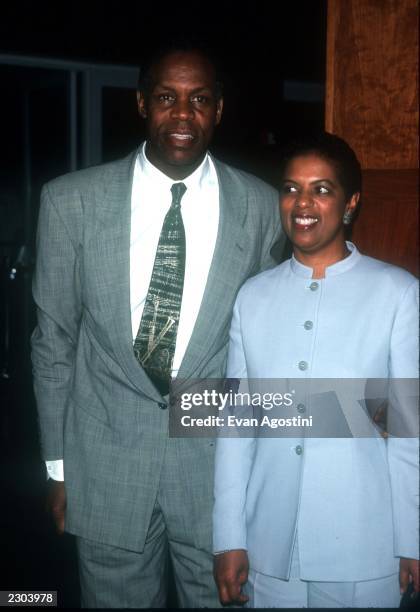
pixel 56 290
pixel 233 463
pixel 274 237
pixel 403 452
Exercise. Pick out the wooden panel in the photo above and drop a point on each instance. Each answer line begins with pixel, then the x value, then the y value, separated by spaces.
pixel 372 83
pixel 387 223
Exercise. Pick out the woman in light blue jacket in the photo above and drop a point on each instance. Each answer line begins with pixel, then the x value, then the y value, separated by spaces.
pixel 320 521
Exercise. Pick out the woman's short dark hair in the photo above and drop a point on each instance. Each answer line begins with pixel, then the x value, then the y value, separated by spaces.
pixel 333 149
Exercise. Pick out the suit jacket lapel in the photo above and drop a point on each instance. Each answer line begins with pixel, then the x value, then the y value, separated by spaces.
pixel 225 269
pixel 112 254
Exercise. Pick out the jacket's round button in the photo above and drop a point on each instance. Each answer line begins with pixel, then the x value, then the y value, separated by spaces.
pixel 313 286
pixel 298 450
pixel 303 365
pixel 162 405
pixel 301 408
pixel 308 325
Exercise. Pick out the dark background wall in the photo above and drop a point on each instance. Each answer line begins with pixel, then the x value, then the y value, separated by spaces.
pixel 260 44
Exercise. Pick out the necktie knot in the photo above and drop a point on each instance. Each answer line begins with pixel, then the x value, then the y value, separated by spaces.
pixel 178 190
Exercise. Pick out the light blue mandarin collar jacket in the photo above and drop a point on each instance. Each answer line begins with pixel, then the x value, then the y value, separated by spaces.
pixel 353 502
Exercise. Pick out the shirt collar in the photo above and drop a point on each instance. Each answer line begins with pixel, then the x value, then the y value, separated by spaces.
pixel 338 268
pixel 150 172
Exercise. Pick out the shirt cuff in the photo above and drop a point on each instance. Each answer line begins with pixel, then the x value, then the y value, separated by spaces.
pixel 55 469
pixel 221 552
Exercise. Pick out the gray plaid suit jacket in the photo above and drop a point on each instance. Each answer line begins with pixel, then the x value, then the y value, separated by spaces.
pixel 97 408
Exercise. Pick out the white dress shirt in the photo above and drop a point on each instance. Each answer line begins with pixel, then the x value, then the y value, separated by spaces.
pixel 151 199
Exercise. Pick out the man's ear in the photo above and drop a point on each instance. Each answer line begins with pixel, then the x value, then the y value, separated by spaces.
pixel 219 110
pixel 141 104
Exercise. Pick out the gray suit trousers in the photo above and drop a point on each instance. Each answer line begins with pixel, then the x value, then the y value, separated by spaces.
pixel 113 577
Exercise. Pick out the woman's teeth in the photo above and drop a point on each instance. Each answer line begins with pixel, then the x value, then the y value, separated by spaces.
pixel 305 220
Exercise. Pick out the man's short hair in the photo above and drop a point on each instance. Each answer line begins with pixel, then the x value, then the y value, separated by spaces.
pixel 145 80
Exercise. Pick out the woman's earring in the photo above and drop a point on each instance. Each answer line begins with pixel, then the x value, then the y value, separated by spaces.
pixel 347 217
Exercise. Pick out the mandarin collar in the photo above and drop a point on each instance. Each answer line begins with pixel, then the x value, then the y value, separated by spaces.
pixel 150 172
pixel 339 267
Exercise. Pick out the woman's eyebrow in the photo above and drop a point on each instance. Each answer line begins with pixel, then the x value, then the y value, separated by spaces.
pixel 318 180
pixel 324 180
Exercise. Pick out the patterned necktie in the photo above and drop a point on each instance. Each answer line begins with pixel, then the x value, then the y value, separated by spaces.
pixel 154 346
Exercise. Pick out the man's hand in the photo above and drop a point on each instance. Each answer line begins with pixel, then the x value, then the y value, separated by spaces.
pixel 409 572
pixel 56 503
pixel 231 572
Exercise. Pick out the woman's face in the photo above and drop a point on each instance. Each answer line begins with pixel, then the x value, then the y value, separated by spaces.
pixel 312 205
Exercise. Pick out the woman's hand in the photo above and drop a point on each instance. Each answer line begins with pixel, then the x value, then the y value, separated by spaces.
pixel 231 573
pixel 409 572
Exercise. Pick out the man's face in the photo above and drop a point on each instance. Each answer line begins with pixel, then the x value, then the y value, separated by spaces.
pixel 181 111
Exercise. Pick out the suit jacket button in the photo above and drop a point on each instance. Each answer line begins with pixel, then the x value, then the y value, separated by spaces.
pixel 313 286
pixel 298 450
pixel 162 405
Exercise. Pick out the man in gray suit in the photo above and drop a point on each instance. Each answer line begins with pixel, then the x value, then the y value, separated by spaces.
pixel 111 280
